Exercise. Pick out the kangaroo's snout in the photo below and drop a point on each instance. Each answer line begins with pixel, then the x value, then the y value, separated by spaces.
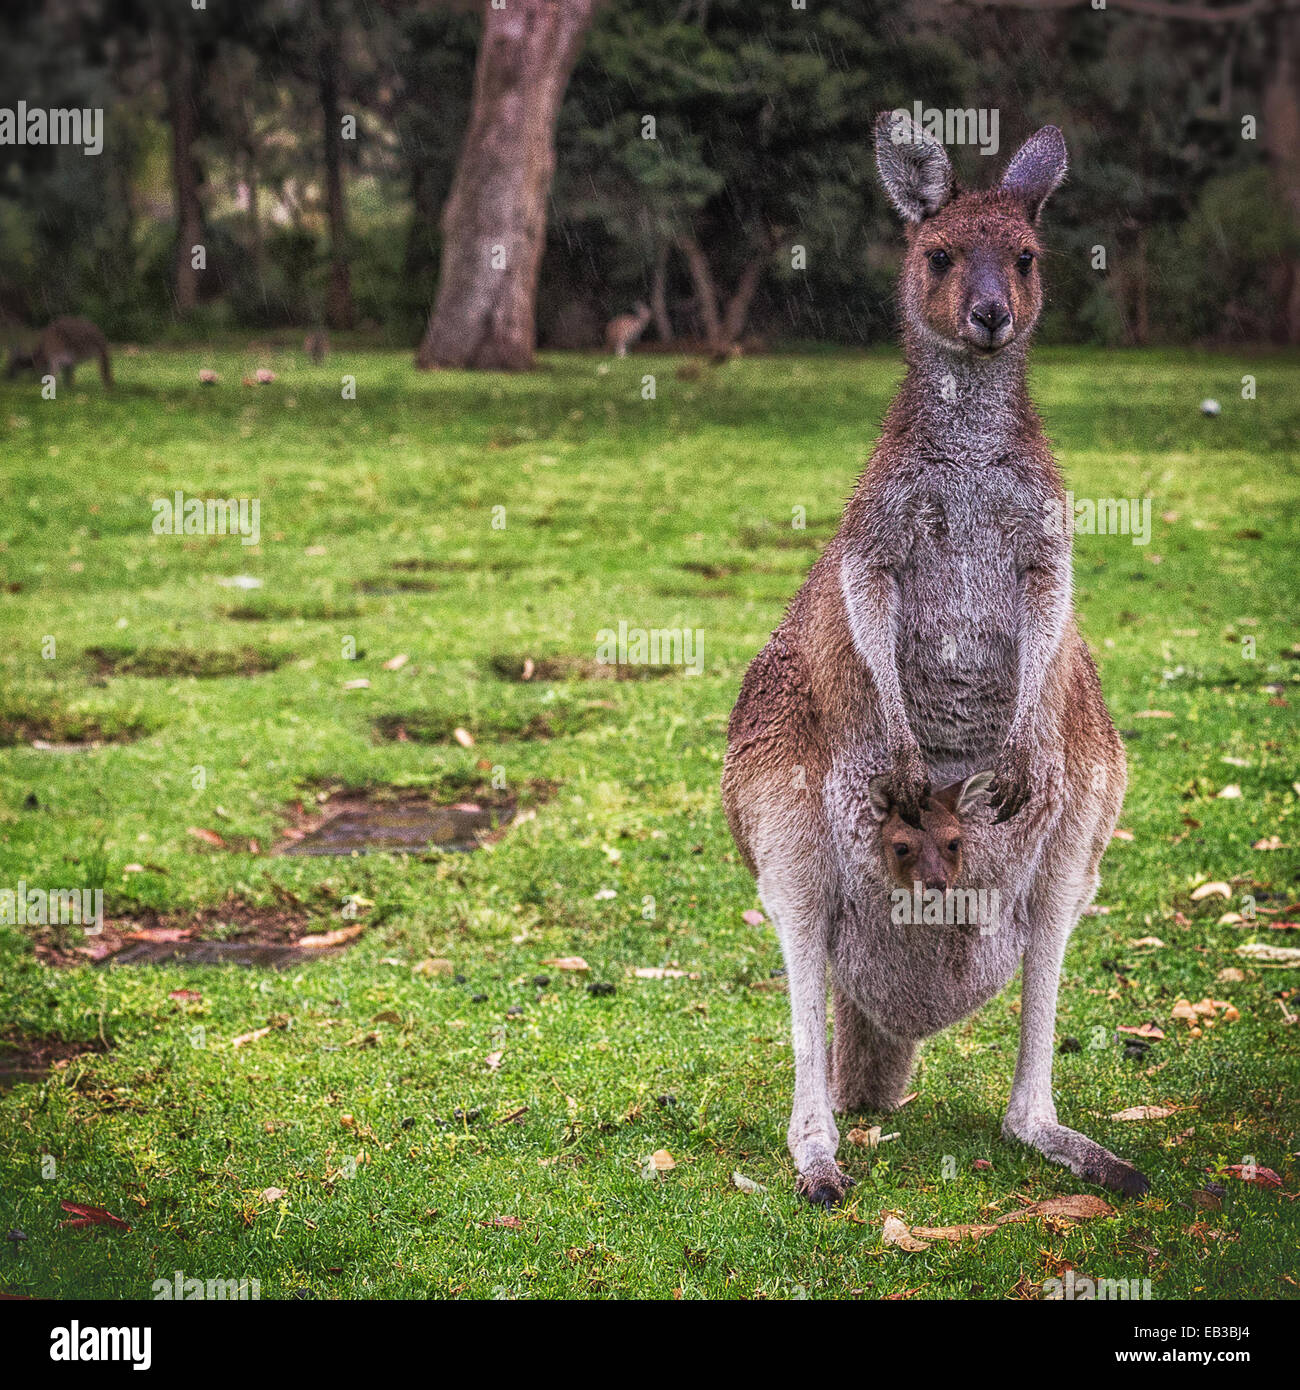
pixel 991 322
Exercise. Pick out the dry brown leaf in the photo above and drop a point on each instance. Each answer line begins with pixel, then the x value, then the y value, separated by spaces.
pixel 339 937
pixel 273 1194
pixel 463 737
pixel 1207 889
pixel 567 963
pixel 1142 1030
pixel 1154 714
pixel 250 1037
pixel 1118 834
pixel 896 1233
pixel 493 1060
pixel 1265 954
pixel 395 663
pixel 1144 1112
pixel 662 1161
pixel 1152 941
pixel 209 837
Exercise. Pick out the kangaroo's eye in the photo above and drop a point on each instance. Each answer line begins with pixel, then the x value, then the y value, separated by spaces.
pixel 902 850
pixel 953 846
pixel 940 260
pixel 1025 262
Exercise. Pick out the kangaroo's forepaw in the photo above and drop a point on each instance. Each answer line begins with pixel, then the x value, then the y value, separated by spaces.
pixel 824 1185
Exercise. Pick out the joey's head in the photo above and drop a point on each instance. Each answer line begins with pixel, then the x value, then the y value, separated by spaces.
pixel 970 281
pixel 929 854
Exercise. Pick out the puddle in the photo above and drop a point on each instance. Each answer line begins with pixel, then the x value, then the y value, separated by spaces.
pixel 573 668
pixel 26 1060
pixel 410 824
pixel 182 661
pixel 51 729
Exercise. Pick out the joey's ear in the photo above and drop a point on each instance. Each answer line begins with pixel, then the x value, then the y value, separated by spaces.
pixel 913 166
pixel 962 797
pixel 1037 169
pixel 879 796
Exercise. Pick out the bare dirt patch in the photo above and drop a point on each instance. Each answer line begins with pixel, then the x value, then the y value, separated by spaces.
pixel 268 612
pixel 33 1059
pixel 162 662
pixel 508 667
pixel 424 726
pixel 48 726
pixel 398 584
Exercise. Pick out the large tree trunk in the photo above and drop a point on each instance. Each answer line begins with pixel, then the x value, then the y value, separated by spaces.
pixel 706 292
pixel 338 295
pixel 494 224
pixel 1282 144
pixel 182 116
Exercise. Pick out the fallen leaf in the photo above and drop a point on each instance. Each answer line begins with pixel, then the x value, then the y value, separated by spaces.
pixel 185 996
pixel 1144 1112
pixel 493 1060
pixel 209 837
pixel 529 668
pixel 1230 975
pixel 395 663
pixel 91 1216
pixel 657 972
pixel 463 737
pixel 1118 834
pixel 1265 954
pixel 339 937
pixel 1143 1030
pixel 1076 1207
pixel 360 684
pixel 437 966
pixel 1154 714
pixel 896 1233
pixel 1246 1172
pixel 511 1223
pixel 567 963
pixel 1232 792
pixel 250 1037
pixel 662 1161
pixel 273 1194
pixel 753 917
pixel 1152 941
pixel 1208 889
pixel 867 1138
pixel 744 1184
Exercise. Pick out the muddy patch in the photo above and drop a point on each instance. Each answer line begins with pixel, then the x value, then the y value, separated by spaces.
pixel 770 536
pixel 268 612
pixel 422 726
pixel 398 584
pixel 420 565
pixel 162 662
pixel 50 728
pixel 390 820
pixel 572 668
pixel 274 937
pixel 26 1060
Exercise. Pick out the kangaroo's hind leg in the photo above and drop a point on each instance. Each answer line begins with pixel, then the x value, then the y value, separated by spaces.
pixel 869 1069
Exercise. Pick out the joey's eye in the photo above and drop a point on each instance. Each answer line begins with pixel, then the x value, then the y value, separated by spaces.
pixel 953 846
pixel 902 850
pixel 940 260
pixel 1025 262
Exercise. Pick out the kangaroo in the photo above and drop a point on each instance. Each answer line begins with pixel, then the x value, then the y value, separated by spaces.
pixel 622 332
pixel 60 347
pixel 934 637
pixel 317 345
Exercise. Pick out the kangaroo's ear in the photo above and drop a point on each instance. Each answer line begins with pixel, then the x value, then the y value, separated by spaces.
pixel 879 796
pixel 913 166
pixel 1037 169
pixel 962 797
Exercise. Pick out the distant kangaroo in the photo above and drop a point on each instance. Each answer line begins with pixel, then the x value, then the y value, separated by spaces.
pixel 60 347
pixel 935 637
pixel 317 345
pixel 622 332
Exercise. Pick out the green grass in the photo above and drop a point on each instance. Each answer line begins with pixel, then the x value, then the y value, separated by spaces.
pixel 668 513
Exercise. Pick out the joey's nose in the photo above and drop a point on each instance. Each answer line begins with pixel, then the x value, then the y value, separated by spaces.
pixel 991 315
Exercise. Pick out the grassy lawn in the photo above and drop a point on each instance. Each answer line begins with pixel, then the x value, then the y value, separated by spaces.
pixel 397 1103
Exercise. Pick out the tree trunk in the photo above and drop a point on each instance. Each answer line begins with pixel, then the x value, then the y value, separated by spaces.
pixel 338 295
pixel 494 224
pixel 737 315
pixel 182 116
pixel 1281 131
pixel 706 293
pixel 659 295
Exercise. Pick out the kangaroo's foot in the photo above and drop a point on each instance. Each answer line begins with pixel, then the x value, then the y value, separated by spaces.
pixel 820 1180
pixel 1081 1155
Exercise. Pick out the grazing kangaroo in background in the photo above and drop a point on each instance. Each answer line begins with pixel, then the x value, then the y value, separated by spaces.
pixel 622 332
pixel 933 639
pixel 60 347
pixel 317 345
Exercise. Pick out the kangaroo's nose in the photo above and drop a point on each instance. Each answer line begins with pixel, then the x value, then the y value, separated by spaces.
pixel 991 315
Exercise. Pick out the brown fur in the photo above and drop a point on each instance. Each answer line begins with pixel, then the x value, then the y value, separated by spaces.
pixel 934 638
pixel 623 331
pixel 64 343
